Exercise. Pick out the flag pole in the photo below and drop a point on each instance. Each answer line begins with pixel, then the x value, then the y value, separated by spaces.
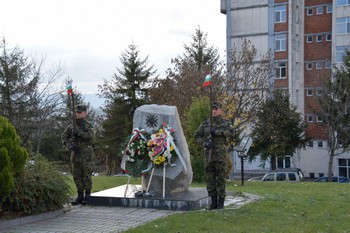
pixel 208 83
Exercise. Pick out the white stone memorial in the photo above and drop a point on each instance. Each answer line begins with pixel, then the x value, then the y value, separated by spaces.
pixel 178 174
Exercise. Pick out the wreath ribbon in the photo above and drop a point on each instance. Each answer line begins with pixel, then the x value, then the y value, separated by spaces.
pixel 170 142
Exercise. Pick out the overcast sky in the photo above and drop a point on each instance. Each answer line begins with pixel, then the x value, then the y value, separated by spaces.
pixel 88 36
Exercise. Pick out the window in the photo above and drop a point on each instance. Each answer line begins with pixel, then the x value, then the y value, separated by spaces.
pixel 343 25
pixel 328 64
pixel 280 42
pixel 270 177
pixel 320 144
pixel 311 143
pixel 309 66
pixel 281 176
pixel 280 14
pixel 319 92
pixel 309 11
pixel 319 38
pixel 292 176
pixel 319 10
pixel 281 70
pixel 309 118
pixel 283 162
pixel 329 37
pixel 340 51
pixel 309 39
pixel 308 92
pixel 329 9
pixel 319 119
pixel 344 167
pixel 318 65
pixel 343 2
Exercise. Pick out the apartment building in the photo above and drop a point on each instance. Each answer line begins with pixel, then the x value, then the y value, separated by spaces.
pixel 307 37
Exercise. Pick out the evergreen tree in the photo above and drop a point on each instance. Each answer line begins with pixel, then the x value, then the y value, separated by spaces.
pixel 128 89
pixel 186 78
pixel 277 130
pixel 199 112
pixel 12 156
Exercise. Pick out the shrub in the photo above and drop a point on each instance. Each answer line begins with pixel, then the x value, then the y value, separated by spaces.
pixel 199 111
pixel 12 156
pixel 40 187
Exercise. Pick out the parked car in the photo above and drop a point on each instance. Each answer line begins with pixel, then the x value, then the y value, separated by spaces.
pixel 297 170
pixel 339 179
pixel 288 174
pixel 281 176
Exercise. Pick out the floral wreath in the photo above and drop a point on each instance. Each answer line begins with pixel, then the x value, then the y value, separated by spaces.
pixel 134 156
pixel 160 150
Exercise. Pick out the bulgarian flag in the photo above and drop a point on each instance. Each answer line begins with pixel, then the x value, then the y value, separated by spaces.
pixel 69 88
pixel 207 81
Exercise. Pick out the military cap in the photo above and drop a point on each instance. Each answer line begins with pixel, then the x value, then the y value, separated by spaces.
pixel 81 108
pixel 216 104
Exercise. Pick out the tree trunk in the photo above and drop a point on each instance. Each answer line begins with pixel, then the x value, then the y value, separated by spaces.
pixel 273 163
pixel 330 165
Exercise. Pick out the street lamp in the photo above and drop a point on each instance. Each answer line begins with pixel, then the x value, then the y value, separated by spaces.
pixel 242 150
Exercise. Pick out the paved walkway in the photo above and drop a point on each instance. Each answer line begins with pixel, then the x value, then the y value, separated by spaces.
pixel 85 219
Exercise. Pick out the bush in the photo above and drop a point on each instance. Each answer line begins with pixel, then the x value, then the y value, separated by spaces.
pixel 199 111
pixel 198 169
pixel 12 156
pixel 40 187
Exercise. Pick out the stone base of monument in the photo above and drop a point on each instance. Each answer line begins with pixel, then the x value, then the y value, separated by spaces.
pixel 124 196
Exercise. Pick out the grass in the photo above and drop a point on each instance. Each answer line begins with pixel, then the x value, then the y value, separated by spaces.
pixel 303 207
pixel 285 207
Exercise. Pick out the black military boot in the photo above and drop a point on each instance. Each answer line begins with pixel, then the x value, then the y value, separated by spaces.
pixel 221 202
pixel 87 193
pixel 214 203
pixel 79 199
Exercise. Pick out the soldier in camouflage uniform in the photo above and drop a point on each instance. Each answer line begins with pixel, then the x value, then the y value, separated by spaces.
pixel 80 141
pixel 215 139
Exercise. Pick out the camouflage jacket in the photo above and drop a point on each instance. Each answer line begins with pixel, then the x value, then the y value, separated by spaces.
pixel 223 134
pixel 84 140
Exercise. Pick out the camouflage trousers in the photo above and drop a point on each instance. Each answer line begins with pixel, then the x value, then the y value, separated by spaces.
pixel 215 173
pixel 82 176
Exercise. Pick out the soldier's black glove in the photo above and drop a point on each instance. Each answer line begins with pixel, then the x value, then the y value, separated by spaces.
pixel 75 132
pixel 73 147
pixel 209 145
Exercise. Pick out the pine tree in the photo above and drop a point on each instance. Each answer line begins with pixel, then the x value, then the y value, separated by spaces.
pixel 128 89
pixel 277 130
pixel 185 80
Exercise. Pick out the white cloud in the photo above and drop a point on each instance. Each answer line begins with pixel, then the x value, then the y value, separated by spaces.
pixel 88 36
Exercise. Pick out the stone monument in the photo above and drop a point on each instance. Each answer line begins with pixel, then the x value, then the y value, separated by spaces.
pixel 178 176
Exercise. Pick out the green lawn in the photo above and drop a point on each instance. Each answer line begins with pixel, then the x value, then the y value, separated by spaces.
pixel 284 207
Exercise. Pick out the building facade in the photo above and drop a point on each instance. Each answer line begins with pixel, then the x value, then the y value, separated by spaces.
pixel 307 37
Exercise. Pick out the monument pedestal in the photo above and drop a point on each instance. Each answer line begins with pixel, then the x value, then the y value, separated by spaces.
pixel 192 199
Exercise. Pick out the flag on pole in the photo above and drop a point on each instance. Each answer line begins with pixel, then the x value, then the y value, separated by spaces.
pixel 69 88
pixel 207 81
